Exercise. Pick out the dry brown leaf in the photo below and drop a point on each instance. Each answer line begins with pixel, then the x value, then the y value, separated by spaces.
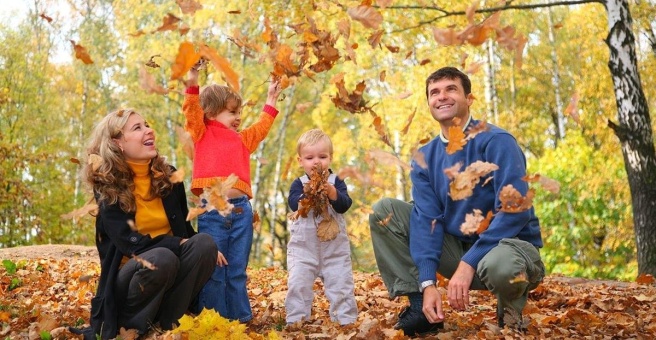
pixel 169 23
pixel 419 158
pixel 471 223
pixel 463 183
pixel 189 6
pixel 145 263
pixel 147 82
pixel 366 15
pixel 572 108
pixel 81 53
pixel 328 229
pixel 386 220
pixel 95 161
pixel 405 129
pixel 512 200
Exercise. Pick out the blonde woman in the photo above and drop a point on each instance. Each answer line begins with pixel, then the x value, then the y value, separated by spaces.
pixel 153 264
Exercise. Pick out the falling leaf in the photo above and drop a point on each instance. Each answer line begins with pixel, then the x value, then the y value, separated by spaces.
pixel 474 67
pixel 382 75
pixel 386 158
pixel 169 23
pixel 393 49
pixel 446 37
pixel 137 33
pixel 185 59
pixel 194 212
pixel 456 139
pixel 572 108
pixel 257 222
pixel 223 65
pixel 81 53
pixel 44 16
pixel 404 95
pixel 470 225
pixel 512 200
pixel 366 15
pixel 344 28
pixel 189 6
pixel 405 129
pixel 463 183
pixel 151 62
pixel 216 195
pixel 424 62
pixel 419 158
pixel 75 160
pixel 145 263
pixel 475 129
pixel 520 278
pixel 375 38
pixel 177 176
pixel 95 161
pixel 147 82
pixel 132 225
pixel 89 208
pixel 386 220
pixel 234 12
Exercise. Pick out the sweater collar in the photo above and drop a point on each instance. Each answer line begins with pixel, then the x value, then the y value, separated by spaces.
pixel 140 169
pixel 464 127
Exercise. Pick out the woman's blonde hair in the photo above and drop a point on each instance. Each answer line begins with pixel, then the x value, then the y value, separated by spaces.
pixel 312 137
pixel 107 171
pixel 215 98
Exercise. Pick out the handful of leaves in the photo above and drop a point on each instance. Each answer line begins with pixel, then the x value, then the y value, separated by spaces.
pixel 315 198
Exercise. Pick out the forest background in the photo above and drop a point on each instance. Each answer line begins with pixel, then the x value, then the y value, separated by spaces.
pixel 539 72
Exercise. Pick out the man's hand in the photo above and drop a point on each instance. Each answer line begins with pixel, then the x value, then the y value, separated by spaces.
pixel 432 306
pixel 458 289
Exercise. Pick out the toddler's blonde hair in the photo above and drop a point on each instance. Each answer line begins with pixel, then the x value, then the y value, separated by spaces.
pixel 312 137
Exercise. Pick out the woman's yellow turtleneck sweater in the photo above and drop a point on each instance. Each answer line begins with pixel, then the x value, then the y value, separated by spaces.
pixel 150 217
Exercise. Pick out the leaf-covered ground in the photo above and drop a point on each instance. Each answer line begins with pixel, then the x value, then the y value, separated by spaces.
pixel 48 289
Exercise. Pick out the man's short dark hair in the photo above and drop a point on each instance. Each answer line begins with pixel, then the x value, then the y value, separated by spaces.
pixel 449 73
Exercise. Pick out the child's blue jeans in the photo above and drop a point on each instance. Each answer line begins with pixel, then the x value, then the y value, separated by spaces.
pixel 226 290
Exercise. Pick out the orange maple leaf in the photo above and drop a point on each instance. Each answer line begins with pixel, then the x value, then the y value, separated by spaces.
pixel 456 139
pixel 186 58
pixel 571 109
pixel 222 64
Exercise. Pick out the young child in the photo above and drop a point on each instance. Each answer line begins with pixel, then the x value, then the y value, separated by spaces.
pixel 213 119
pixel 307 256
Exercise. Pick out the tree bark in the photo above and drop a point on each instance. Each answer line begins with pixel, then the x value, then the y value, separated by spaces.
pixel 634 131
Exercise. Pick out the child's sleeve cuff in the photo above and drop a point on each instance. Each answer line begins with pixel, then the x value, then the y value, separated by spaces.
pixel 270 110
pixel 192 90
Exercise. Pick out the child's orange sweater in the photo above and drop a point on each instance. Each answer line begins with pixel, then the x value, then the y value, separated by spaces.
pixel 219 151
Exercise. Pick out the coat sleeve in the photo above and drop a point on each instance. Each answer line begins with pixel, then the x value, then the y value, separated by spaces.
pixel 343 201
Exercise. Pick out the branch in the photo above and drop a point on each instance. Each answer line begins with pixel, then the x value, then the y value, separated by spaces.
pixel 507 6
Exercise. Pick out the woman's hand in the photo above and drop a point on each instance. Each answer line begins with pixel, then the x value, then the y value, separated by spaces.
pixel 221 260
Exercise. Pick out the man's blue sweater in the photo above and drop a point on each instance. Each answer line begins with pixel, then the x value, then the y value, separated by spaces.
pixel 430 192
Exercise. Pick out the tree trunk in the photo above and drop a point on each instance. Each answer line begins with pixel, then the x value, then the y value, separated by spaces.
pixel 634 131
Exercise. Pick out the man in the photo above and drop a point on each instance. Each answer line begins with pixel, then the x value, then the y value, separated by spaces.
pixel 414 241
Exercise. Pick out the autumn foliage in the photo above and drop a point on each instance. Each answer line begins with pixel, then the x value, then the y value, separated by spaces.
pixel 40 296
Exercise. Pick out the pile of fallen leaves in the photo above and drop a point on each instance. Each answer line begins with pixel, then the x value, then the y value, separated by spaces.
pixel 38 296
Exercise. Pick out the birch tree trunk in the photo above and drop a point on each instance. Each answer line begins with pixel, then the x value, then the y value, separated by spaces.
pixel 634 131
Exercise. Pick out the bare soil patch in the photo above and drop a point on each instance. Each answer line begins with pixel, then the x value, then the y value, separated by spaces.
pixel 49 251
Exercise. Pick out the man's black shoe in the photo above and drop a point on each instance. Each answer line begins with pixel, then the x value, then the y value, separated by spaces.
pixel 414 322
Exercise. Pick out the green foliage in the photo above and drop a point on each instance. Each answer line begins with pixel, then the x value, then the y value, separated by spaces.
pixel 587 226
pixel 10 266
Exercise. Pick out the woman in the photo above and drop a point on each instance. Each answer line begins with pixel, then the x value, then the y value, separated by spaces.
pixel 153 264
